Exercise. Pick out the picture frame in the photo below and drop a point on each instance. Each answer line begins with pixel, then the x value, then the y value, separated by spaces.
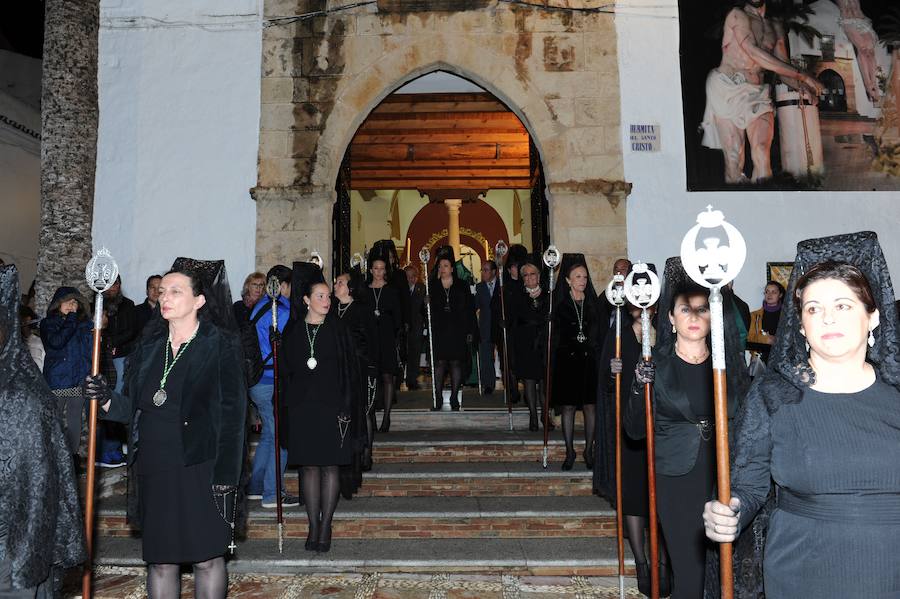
pixel 780 272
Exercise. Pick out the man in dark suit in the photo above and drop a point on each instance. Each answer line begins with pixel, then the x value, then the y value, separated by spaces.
pixel 416 294
pixel 487 303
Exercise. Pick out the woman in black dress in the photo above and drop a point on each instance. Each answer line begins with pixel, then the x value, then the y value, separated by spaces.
pixel 527 307
pixel 577 339
pixel 361 322
pixel 821 423
pixel 322 387
pixel 185 398
pixel 635 502
pixel 384 303
pixel 683 418
pixel 452 324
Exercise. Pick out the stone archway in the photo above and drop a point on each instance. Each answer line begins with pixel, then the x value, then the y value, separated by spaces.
pixel 558 72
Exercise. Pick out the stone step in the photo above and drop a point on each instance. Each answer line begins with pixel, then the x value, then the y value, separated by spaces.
pixel 523 557
pixel 422 518
pixel 467 479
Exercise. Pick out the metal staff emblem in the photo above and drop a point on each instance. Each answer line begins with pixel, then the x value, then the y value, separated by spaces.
pixel 273 290
pixel 356 260
pixel 500 251
pixel 424 257
pixel 713 265
pixel 643 294
pixel 615 295
pixel 552 258
pixel 101 272
pixel 316 258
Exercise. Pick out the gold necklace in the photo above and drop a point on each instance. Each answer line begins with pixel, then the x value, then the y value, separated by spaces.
pixel 691 359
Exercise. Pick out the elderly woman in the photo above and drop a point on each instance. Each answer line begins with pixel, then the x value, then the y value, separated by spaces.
pixel 577 342
pixel 684 425
pixel 823 424
pixel 527 307
pixel 185 399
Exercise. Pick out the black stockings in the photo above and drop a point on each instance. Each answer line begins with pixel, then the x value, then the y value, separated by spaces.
pixel 321 486
pixel 455 380
pixel 568 427
pixel 387 387
pixel 210 580
pixel 534 399
pixel 635 526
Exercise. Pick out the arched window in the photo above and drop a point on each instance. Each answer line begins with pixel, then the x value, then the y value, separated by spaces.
pixel 834 99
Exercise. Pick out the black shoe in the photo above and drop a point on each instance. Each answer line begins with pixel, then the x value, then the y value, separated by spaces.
pixel 435 408
pixel 367 460
pixel 533 423
pixel 413 387
pixel 312 540
pixel 385 425
pixel 489 391
pixel 642 572
pixel 588 460
pixel 454 406
pixel 569 462
pixel 323 547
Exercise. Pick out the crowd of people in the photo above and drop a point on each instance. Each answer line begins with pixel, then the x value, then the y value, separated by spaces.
pixel 812 382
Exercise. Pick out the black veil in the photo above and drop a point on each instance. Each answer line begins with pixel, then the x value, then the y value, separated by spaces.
pixel 41 530
pixel 788 374
pixel 216 289
pixel 303 276
pixel 561 286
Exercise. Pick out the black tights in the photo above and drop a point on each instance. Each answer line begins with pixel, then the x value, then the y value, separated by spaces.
pixel 534 397
pixel 568 428
pixel 455 380
pixel 321 486
pixel 210 580
pixel 387 387
pixel 636 525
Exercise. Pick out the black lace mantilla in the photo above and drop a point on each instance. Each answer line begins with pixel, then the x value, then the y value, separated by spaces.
pixel 40 517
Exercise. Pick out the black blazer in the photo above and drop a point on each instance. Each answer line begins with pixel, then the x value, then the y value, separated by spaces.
pixel 416 317
pixel 214 401
pixel 675 424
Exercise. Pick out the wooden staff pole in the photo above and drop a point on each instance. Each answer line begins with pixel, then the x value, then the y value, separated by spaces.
pixel 274 291
pixel 500 252
pixel 720 402
pixel 91 457
pixel 620 537
pixel 651 462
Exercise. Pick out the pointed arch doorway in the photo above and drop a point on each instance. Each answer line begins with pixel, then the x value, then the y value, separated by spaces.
pixel 438 138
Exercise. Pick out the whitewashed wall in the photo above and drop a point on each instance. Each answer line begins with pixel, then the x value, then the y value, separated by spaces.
pixel 179 131
pixel 660 210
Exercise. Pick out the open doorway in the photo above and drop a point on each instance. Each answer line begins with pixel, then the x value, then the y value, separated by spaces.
pixel 437 142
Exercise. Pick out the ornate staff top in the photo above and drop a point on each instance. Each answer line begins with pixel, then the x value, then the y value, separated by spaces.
pixel 424 255
pixel 552 257
pixel 356 260
pixel 316 258
pixel 273 287
pixel 713 264
pixel 644 293
pixel 615 291
pixel 500 249
pixel 101 271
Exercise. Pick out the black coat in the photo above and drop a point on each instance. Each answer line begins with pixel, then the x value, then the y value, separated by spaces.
pixel 675 424
pixel 214 400
pixel 122 326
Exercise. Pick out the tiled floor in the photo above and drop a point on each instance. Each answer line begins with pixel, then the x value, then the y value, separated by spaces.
pixel 128 583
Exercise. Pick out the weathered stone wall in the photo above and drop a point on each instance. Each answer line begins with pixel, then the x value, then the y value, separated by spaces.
pixel 557 70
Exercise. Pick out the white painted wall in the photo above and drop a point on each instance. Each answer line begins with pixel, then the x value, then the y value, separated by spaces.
pixel 179 135
pixel 660 210
pixel 20 163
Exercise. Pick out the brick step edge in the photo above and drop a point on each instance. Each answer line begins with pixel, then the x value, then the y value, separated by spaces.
pixel 523 486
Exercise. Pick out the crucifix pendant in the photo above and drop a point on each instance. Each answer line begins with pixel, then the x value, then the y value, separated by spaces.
pixel 232 547
pixel 581 338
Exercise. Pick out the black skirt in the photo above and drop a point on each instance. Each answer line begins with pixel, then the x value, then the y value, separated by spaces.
pixel 180 521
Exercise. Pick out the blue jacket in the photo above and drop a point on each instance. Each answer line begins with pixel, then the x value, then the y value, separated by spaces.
pixel 67 341
pixel 262 332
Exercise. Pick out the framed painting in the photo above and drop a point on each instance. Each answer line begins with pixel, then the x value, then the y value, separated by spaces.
pixel 779 271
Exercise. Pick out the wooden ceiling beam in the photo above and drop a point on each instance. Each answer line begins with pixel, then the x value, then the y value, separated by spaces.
pixel 441 136
pixel 439 151
pixel 433 107
pixel 441 163
pixel 464 183
pixel 443 173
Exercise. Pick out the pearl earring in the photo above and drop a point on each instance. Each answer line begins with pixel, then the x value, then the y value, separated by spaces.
pixel 807 346
pixel 871 339
pixel 673 329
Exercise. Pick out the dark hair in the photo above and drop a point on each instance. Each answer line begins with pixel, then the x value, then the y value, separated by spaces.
pixel 150 278
pixel 280 272
pixel 443 259
pixel 492 264
pixel 387 263
pixel 193 275
pixel 352 282
pixel 847 274
pixel 778 285
pixel 686 289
